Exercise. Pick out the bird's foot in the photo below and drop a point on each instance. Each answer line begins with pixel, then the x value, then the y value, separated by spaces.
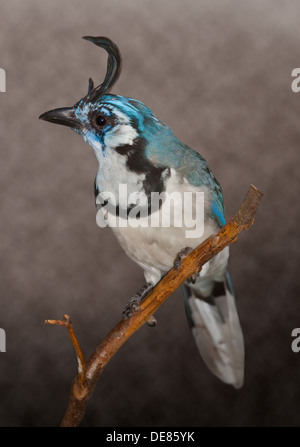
pixel 181 256
pixel 178 262
pixel 133 304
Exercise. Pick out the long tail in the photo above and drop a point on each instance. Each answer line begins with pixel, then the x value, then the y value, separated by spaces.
pixel 215 325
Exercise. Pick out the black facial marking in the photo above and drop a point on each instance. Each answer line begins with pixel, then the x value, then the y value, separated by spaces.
pixel 137 162
pixel 155 177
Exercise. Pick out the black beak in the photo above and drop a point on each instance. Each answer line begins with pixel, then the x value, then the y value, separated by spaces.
pixel 65 116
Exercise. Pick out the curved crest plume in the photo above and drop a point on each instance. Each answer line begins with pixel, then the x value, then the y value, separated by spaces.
pixel 113 68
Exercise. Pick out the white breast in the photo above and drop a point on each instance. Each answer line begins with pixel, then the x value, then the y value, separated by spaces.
pixel 155 248
pixel 113 172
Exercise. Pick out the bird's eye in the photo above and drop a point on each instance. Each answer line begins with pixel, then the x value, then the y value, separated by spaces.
pixel 101 120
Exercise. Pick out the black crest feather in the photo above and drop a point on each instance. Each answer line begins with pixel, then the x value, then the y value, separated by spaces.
pixel 113 67
pixel 91 86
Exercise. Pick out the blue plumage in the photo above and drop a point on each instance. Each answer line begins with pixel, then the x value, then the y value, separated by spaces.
pixel 137 150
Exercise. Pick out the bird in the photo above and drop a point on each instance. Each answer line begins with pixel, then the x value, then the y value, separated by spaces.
pixel 136 151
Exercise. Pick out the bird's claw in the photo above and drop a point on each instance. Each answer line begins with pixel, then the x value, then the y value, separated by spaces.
pixel 133 304
pixel 181 256
pixel 152 322
pixel 178 262
pixel 193 278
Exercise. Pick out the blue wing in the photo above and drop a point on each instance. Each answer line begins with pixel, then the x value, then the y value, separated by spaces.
pixel 218 213
pixel 164 149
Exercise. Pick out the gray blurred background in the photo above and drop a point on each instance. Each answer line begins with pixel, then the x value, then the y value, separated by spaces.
pixel 219 74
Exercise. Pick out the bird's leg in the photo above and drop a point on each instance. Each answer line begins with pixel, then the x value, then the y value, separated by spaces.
pixel 180 257
pixel 133 304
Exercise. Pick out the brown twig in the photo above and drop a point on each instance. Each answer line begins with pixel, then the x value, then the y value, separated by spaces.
pixel 66 322
pixel 81 392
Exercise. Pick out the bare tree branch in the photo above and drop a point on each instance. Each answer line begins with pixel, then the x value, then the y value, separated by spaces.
pixel 82 388
pixel 66 322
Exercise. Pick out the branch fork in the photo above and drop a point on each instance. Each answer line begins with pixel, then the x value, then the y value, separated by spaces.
pixel 66 322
